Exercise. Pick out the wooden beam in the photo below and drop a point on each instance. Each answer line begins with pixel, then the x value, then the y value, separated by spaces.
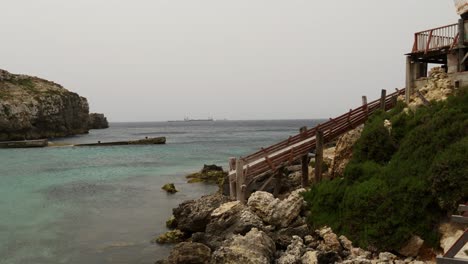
pixel 442 260
pixel 304 164
pixel 460 219
pixel 457 246
pixel 423 99
pixel 318 156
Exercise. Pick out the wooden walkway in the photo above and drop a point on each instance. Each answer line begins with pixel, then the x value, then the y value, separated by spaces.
pixel 271 160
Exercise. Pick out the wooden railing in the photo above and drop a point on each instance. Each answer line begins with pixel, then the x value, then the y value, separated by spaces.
pixel 436 38
pixel 450 256
pixel 245 170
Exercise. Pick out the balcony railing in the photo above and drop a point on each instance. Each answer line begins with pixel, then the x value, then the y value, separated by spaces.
pixel 436 39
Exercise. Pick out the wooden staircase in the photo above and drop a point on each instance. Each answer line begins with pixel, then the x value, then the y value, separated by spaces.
pixel 246 170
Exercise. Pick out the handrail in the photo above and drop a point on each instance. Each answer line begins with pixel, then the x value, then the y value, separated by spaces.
pixel 289 150
pixel 436 38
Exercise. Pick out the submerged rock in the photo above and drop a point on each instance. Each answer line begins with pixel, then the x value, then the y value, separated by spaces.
pixel 170 188
pixel 209 174
pixel 256 247
pixel 194 215
pixel 170 237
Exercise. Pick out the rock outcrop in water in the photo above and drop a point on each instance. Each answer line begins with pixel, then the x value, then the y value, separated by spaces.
pixel 98 121
pixel 33 108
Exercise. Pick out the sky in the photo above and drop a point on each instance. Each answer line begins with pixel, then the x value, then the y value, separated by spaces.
pixel 157 60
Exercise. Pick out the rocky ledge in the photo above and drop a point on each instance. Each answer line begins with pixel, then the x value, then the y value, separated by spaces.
pixel 33 108
pixel 265 230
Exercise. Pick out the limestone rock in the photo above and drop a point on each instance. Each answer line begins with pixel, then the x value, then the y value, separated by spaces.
pixel 255 247
pixel 229 219
pixel 293 253
pixel 438 87
pixel 310 257
pixel 34 108
pixel 387 256
pixel 97 121
pixel 193 215
pixel 274 211
pixel 190 253
pixel 283 237
pixel 344 150
pixel 346 243
pixel 412 247
pixel 330 240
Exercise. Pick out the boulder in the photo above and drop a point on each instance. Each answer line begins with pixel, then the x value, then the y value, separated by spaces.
pixel 169 187
pixel 256 247
pixel 171 222
pixel 276 212
pixel 344 151
pixel 97 121
pixel 412 247
pixel 194 215
pixel 346 243
pixel 190 253
pixel 229 219
pixel 293 253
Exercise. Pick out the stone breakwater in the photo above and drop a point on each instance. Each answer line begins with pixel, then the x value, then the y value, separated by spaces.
pixel 265 230
pixel 33 108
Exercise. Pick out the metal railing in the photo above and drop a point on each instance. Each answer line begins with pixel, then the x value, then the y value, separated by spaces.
pixel 436 38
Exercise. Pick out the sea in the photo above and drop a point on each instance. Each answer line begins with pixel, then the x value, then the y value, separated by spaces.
pixel 103 205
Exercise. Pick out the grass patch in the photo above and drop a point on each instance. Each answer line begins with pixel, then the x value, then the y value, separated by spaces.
pixel 401 183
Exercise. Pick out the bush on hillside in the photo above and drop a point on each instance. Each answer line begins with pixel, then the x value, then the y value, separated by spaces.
pixel 401 183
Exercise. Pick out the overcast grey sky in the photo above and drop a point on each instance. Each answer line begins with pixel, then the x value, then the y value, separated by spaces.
pixel 150 60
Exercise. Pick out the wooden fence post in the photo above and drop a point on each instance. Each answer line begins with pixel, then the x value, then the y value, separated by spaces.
pixel 240 181
pixel 304 164
pixel 232 178
pixel 318 156
pixel 364 105
pixel 383 96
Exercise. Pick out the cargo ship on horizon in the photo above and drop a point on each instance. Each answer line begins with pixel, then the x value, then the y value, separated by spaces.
pixel 186 119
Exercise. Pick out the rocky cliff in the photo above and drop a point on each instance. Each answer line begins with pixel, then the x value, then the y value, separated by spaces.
pixel 32 108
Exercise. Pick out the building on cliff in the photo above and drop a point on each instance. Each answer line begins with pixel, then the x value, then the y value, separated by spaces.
pixel 445 46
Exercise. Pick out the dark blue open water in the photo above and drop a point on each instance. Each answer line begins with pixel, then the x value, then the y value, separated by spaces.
pixel 104 205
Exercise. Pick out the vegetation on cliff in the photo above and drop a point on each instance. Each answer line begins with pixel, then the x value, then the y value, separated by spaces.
pixel 401 181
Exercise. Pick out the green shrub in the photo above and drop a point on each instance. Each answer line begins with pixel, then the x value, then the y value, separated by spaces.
pixel 401 183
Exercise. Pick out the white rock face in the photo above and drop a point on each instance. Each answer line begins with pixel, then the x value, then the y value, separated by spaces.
pixel 276 212
pixel 344 150
pixel 32 108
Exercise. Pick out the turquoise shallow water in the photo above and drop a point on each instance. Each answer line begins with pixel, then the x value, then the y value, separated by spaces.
pixel 104 205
